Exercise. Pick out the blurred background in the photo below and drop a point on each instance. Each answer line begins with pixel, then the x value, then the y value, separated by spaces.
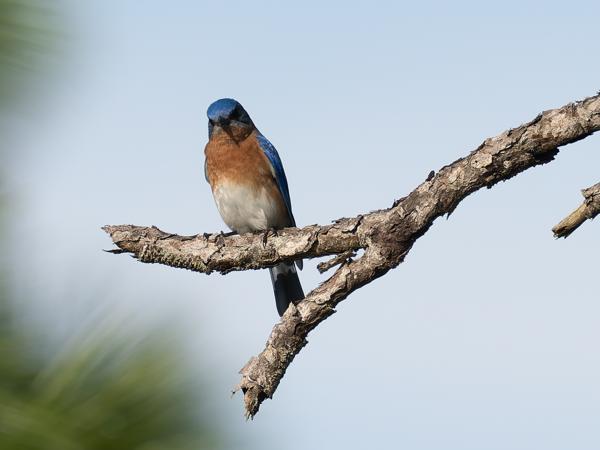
pixel 485 338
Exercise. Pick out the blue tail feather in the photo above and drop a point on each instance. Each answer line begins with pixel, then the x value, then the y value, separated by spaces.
pixel 286 286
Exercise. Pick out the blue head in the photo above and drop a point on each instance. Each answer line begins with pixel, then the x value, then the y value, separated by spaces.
pixel 227 115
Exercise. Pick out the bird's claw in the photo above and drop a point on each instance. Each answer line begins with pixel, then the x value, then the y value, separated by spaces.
pixel 266 235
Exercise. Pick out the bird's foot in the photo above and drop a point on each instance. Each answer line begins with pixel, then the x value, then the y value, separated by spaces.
pixel 266 235
pixel 220 239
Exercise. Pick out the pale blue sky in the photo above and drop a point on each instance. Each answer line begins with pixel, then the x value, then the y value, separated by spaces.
pixel 486 338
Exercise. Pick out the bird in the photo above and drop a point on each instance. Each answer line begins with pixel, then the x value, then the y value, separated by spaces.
pixel 249 186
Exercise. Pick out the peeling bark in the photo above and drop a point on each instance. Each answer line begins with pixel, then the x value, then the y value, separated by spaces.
pixel 386 235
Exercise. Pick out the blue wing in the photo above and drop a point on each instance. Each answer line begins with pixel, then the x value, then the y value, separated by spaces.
pixel 275 161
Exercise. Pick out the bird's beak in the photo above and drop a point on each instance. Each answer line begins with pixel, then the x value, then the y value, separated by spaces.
pixel 225 124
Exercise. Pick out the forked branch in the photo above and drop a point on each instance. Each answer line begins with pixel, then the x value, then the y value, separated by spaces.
pixel 386 235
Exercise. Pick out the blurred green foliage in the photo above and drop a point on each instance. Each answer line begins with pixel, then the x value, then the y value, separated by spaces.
pixel 99 391
pixel 28 30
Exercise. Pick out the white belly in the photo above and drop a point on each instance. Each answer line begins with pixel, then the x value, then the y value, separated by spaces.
pixel 244 209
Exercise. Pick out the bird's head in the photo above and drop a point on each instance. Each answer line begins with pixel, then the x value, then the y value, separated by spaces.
pixel 228 116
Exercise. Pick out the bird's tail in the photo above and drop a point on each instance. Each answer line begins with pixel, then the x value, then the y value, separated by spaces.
pixel 286 286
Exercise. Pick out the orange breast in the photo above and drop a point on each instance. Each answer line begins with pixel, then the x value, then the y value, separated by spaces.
pixel 243 184
pixel 243 163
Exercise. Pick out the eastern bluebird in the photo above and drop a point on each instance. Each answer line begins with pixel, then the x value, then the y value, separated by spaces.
pixel 249 186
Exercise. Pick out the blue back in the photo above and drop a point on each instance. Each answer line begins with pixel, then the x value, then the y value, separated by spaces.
pixel 275 161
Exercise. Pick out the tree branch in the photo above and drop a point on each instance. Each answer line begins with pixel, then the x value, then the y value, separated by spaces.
pixel 589 209
pixel 386 235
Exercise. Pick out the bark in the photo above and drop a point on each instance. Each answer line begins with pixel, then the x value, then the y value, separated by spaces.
pixel 589 209
pixel 385 235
